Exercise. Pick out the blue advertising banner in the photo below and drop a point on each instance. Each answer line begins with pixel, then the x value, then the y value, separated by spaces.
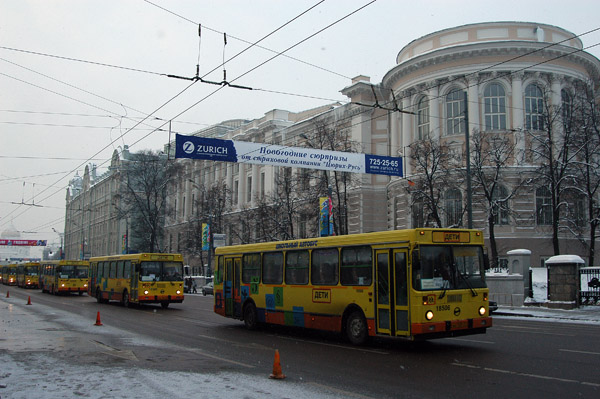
pixel 277 155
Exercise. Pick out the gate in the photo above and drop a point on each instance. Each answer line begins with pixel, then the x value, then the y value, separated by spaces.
pixel 589 293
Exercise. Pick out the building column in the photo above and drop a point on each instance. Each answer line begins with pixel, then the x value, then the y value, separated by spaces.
pixel 242 185
pixel 518 116
pixel 255 184
pixel 434 112
pixel 406 133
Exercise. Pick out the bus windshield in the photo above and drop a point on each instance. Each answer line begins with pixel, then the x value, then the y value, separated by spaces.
pixel 448 267
pixel 31 271
pixel 71 271
pixel 161 271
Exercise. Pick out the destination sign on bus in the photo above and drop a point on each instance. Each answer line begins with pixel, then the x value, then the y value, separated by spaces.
pixel 451 236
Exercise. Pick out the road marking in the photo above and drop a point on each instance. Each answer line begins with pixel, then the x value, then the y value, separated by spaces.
pixel 584 352
pixel 472 340
pixel 543 377
pixel 347 394
pixel 379 352
pixel 533 331
pixel 202 353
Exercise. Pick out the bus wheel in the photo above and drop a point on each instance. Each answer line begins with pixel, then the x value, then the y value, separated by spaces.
pixel 164 305
pixel 125 299
pixel 356 328
pixel 250 317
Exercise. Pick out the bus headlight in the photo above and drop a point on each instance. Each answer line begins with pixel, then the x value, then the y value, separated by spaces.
pixel 178 292
pixel 146 292
pixel 429 315
pixel 482 310
pixel 62 285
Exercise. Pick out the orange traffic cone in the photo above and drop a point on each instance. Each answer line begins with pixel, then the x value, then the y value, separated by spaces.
pixel 29 300
pixel 8 294
pixel 98 323
pixel 277 374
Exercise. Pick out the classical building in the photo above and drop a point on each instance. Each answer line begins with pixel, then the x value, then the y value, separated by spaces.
pixel 504 76
pixel 92 223
pixel 495 78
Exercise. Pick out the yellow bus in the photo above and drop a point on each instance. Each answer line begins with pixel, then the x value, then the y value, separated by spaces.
pixel 137 278
pixel 416 284
pixel 28 275
pixel 9 274
pixel 64 276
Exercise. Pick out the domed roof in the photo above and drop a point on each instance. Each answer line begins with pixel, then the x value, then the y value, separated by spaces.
pixel 10 232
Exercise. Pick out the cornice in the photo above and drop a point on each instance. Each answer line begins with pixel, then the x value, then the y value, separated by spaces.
pixel 511 51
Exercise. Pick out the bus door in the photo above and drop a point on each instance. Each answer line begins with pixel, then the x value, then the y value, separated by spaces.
pixel 134 273
pixel 231 287
pixel 392 292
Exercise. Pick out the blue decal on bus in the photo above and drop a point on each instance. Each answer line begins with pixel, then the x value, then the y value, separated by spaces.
pixel 270 301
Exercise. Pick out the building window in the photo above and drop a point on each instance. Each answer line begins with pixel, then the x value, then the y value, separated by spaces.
pixel 262 185
pixel 579 211
pixel 249 189
pixel 494 100
pixel 500 205
pixel 534 108
pixel 236 190
pixel 423 118
pixel 453 206
pixel 455 112
pixel 543 206
pixel 567 109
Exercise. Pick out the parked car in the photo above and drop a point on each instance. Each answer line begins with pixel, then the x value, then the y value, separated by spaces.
pixel 493 306
pixel 207 289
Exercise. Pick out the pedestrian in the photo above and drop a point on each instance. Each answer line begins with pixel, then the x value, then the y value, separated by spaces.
pixel 194 290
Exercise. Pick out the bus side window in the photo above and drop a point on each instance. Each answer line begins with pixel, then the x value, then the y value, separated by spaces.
pixel 120 270
pixel 250 268
pixel 113 270
pixel 127 269
pixel 357 266
pixel 273 268
pixel 296 267
pixel 219 271
pixel 324 266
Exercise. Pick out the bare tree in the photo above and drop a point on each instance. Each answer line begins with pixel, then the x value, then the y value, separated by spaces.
pixel 435 169
pixel 583 116
pixel 553 150
pixel 291 201
pixel 337 184
pixel 211 206
pixel 143 198
pixel 491 156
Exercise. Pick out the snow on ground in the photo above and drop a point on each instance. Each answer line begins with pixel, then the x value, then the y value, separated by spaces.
pixel 36 346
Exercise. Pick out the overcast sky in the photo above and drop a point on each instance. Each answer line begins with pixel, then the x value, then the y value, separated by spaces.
pixel 58 113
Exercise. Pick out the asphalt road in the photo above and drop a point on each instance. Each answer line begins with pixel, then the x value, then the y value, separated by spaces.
pixel 517 358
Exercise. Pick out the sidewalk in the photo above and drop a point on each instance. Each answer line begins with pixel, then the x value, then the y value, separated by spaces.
pixel 584 314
